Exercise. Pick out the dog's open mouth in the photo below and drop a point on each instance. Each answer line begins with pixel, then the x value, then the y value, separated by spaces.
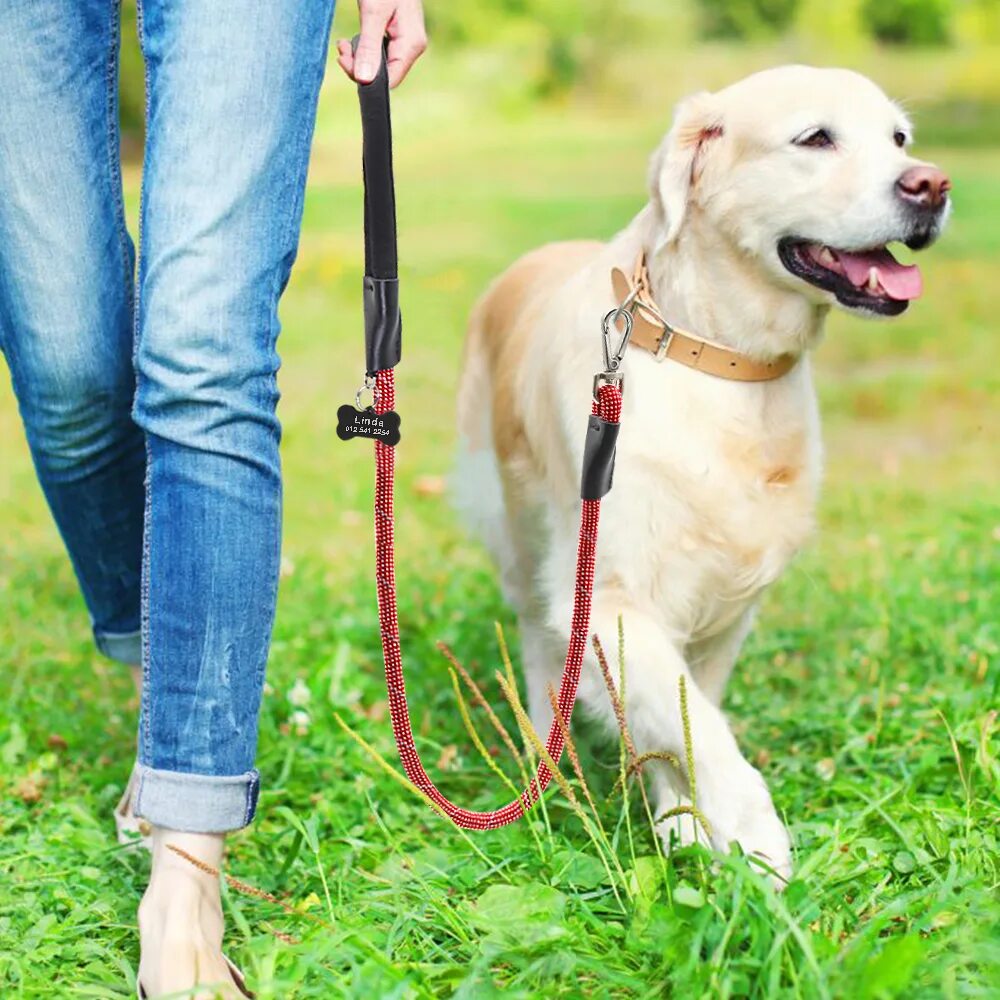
pixel 860 279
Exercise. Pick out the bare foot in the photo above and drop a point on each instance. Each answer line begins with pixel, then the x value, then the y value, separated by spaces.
pixel 180 920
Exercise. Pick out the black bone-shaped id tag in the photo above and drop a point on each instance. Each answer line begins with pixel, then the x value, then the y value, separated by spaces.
pixel 356 423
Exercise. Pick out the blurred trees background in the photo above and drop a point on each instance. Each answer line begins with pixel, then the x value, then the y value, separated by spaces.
pixel 561 48
pixel 909 22
pixel 746 18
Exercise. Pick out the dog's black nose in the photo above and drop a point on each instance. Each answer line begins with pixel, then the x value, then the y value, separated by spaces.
pixel 924 187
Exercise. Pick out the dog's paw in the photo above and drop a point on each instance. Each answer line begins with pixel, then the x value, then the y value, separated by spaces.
pixel 742 811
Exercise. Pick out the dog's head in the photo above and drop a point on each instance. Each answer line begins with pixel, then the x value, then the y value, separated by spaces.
pixel 806 172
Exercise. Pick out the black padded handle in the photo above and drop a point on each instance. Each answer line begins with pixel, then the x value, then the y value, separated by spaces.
pixel 383 321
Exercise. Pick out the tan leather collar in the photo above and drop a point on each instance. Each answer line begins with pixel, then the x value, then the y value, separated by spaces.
pixel 653 333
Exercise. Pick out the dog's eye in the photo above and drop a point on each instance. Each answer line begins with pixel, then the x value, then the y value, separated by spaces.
pixel 899 138
pixel 818 138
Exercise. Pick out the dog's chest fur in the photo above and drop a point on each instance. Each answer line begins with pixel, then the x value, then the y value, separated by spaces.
pixel 714 494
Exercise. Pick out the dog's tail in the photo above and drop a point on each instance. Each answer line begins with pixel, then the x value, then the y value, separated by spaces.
pixel 476 486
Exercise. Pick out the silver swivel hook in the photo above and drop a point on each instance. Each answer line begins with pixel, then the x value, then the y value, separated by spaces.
pixel 615 343
pixel 614 355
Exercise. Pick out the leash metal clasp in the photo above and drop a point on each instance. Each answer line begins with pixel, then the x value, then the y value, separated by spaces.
pixel 615 343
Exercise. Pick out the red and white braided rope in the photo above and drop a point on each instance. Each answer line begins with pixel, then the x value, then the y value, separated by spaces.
pixel 608 407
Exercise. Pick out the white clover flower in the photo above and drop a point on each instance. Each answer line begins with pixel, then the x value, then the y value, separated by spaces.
pixel 300 695
pixel 300 720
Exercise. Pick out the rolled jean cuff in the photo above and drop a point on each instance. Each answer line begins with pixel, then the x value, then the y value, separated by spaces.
pixel 125 647
pixel 196 803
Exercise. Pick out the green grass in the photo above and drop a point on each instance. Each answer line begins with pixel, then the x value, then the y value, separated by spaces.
pixel 867 695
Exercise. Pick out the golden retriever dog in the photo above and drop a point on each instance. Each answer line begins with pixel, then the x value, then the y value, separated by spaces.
pixel 770 202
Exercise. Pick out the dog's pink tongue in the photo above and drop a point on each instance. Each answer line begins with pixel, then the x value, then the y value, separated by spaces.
pixel 898 281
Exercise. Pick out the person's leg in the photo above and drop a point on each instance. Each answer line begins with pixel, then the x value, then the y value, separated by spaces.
pixel 232 91
pixel 66 264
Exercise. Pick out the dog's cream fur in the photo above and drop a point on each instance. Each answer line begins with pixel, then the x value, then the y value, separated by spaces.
pixel 716 481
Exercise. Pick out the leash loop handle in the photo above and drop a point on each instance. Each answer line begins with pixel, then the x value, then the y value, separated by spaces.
pixel 383 320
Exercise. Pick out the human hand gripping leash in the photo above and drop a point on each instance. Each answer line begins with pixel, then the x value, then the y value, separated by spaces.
pixel 380 422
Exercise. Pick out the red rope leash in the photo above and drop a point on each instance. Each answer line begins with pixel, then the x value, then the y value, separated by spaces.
pixel 608 407
pixel 383 350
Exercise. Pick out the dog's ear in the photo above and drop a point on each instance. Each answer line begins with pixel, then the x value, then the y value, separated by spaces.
pixel 679 160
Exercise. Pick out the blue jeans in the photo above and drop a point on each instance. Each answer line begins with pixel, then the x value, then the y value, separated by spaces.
pixel 148 395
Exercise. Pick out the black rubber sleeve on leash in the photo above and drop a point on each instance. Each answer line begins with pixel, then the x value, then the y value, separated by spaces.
pixel 383 324
pixel 383 320
pixel 598 458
